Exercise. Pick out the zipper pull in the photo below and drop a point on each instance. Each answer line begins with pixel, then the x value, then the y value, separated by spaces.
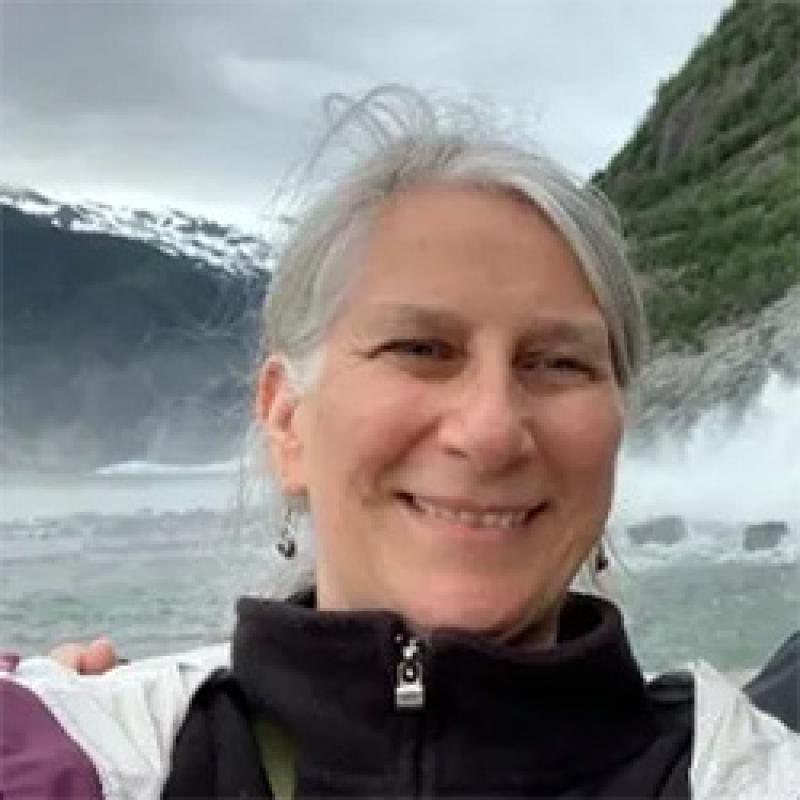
pixel 409 687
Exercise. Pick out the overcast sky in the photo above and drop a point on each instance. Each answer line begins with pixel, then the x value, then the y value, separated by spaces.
pixel 204 105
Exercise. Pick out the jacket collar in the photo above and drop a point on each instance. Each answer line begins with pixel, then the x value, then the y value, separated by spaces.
pixel 495 718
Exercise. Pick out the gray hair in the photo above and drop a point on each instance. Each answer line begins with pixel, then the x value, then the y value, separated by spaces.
pixel 415 142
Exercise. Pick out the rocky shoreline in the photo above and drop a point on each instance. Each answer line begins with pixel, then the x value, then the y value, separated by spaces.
pixel 677 388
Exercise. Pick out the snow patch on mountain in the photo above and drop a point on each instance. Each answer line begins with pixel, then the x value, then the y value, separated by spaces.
pixel 172 231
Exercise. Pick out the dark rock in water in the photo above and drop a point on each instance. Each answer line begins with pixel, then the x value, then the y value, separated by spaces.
pixel 764 535
pixel 661 530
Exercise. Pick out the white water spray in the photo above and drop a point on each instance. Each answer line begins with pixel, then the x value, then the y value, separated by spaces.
pixel 721 473
pixel 747 473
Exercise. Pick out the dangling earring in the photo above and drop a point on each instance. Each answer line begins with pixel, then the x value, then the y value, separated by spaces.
pixel 287 543
pixel 600 557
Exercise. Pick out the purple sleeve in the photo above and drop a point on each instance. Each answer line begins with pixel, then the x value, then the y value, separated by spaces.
pixel 37 758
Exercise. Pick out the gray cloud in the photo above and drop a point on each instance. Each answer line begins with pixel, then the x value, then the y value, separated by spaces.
pixel 207 103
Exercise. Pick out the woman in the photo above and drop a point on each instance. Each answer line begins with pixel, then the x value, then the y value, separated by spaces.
pixel 450 338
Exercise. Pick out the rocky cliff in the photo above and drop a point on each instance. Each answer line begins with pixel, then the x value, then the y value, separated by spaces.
pixel 709 192
pixel 677 387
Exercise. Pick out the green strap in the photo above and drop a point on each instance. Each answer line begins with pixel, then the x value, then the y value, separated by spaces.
pixel 278 758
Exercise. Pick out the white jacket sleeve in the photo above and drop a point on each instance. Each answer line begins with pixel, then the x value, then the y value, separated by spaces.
pixel 126 720
pixel 739 751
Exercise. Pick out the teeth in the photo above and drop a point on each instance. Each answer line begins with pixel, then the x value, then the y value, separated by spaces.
pixel 474 519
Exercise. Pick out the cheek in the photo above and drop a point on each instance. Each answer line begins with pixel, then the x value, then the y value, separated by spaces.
pixel 582 445
pixel 363 429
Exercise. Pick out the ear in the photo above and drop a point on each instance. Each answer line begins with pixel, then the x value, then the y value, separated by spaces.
pixel 276 407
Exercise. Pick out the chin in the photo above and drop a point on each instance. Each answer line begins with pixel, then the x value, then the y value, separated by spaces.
pixel 488 614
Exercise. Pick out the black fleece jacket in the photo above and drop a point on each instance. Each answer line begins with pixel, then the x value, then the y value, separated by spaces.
pixel 575 721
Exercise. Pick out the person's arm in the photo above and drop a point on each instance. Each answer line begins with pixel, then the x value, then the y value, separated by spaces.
pixel 776 689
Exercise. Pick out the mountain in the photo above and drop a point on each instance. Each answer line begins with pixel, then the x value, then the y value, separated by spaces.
pixel 171 231
pixel 709 184
pixel 124 335
pixel 708 188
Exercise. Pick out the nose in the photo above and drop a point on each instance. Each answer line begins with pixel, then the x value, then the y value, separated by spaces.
pixel 488 422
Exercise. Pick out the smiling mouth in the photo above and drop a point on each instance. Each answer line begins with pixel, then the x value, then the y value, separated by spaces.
pixel 490 518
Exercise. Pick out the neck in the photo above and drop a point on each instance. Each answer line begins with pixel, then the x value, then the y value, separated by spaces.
pixel 541 633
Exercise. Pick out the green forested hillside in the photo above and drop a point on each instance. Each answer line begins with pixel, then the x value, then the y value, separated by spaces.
pixel 709 185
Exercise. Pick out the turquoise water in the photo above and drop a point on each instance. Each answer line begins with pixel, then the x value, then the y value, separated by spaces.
pixel 732 615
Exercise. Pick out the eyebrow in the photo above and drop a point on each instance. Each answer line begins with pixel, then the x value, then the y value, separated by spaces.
pixel 412 315
pixel 584 332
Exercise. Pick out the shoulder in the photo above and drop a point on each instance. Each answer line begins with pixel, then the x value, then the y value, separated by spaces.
pixel 120 725
pixel 776 688
pixel 742 748
pixel 216 745
pixel 744 739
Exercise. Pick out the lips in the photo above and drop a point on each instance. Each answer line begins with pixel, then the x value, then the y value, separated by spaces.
pixel 493 517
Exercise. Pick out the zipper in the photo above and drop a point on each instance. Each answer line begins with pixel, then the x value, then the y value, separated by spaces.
pixel 410 669
pixel 409 686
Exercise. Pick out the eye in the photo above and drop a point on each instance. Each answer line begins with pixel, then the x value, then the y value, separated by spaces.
pixel 419 348
pixel 556 366
pixel 567 364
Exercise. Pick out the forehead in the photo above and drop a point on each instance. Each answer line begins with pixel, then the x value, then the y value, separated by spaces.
pixel 469 247
pixel 462 217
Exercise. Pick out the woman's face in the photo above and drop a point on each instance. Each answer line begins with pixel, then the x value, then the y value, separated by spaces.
pixel 458 450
